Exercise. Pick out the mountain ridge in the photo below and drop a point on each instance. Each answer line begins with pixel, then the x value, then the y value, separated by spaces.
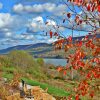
pixel 38 48
pixel 23 47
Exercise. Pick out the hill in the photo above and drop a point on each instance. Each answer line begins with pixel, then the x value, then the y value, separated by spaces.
pixel 40 49
pixel 23 47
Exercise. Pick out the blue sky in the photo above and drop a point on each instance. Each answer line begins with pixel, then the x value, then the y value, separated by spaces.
pixel 23 21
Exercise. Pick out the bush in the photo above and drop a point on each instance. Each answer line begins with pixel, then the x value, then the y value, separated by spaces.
pixel 4 61
pixel 23 63
pixel 20 58
pixel 40 61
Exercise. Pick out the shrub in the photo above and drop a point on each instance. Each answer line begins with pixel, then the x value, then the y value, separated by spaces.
pixel 40 61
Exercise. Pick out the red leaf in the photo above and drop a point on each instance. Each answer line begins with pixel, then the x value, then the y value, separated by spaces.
pixel 81 1
pixel 59 69
pixel 75 67
pixel 99 8
pixel 92 94
pixel 55 34
pixel 77 20
pixel 76 1
pixel 80 63
pixel 86 36
pixel 65 73
pixel 97 60
pixel 51 34
pixel 80 43
pixel 92 46
pixel 83 93
pixel 70 38
pixel 88 7
pixel 69 15
pixel 80 21
pixel 88 75
pixel 77 97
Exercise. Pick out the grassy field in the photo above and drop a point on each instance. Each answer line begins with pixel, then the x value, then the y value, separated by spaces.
pixel 55 91
pixel 51 89
pixel 37 73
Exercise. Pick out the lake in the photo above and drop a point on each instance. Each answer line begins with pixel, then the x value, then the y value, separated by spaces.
pixel 55 62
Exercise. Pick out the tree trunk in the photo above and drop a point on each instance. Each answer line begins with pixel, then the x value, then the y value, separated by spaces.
pixel 72 73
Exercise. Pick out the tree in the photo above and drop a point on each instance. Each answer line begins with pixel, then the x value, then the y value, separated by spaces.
pixel 21 58
pixel 86 55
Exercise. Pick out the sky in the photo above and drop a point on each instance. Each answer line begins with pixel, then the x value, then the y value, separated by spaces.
pixel 23 21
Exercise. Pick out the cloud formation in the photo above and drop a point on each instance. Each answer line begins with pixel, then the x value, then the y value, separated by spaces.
pixel 38 24
pixel 40 8
pixel 42 1
pixel 9 24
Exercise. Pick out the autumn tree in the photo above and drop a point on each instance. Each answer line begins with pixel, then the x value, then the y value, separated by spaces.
pixel 82 16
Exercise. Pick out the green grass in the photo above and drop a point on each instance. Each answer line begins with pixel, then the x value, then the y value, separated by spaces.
pixel 8 69
pixel 8 76
pixel 51 89
pixel 8 72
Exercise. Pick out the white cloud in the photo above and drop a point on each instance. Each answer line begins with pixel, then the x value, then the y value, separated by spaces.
pixel 51 22
pixel 9 24
pixel 37 25
pixel 5 19
pixel 8 34
pixel 39 8
pixel 1 5
pixel 49 7
pixel 18 8
pixel 23 37
pixel 8 21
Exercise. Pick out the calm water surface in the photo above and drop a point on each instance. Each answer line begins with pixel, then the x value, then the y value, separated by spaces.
pixel 55 62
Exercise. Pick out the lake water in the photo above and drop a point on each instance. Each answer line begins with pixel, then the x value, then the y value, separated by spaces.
pixel 55 62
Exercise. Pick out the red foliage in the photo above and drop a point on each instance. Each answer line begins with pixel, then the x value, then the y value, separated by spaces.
pixel 99 8
pixel 69 38
pixel 77 20
pixel 92 94
pixel 76 61
pixel 65 72
pixel 77 97
pixel 55 34
pixel 51 33
pixel 88 7
pixel 89 68
pixel 59 69
pixel 69 15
